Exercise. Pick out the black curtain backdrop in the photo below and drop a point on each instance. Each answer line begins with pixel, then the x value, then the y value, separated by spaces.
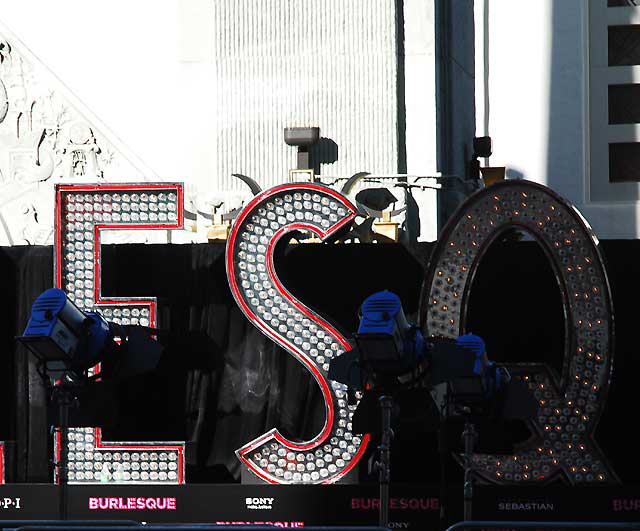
pixel 221 383
pixel 25 272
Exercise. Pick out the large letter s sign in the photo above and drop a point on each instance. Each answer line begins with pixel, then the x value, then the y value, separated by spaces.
pixel 304 334
pixel 562 440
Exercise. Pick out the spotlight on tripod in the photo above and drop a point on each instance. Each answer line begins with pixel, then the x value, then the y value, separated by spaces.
pixel 392 357
pixel 67 342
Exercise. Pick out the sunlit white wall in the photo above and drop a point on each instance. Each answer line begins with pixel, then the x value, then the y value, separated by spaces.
pixel 164 77
pixel 538 102
pixel 121 60
pixel 518 36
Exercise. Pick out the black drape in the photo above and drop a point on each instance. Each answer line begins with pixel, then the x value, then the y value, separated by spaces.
pixel 221 383
pixel 237 384
pixel 25 272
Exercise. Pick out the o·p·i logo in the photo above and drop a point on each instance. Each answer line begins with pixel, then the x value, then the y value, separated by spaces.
pixel 10 503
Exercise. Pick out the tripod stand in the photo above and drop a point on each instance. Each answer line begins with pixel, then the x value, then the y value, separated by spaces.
pixel 469 438
pixel 449 411
pixel 65 395
pixel 383 464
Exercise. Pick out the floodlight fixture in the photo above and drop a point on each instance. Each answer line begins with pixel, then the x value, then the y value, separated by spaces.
pixel 303 138
pixel 64 337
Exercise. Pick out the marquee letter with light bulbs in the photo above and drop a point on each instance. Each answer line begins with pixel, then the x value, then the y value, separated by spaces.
pixel 569 407
pixel 82 213
pixel 309 338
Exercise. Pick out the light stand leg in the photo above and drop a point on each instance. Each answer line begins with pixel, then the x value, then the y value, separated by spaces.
pixel 63 476
pixel 444 454
pixel 384 465
pixel 469 437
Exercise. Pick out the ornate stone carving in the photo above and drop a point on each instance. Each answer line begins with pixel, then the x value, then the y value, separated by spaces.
pixel 4 102
pixel 44 139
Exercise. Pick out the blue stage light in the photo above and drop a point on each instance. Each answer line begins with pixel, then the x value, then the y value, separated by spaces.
pixel 385 338
pixel 64 337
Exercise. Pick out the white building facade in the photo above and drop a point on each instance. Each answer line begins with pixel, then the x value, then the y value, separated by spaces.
pixel 194 91
pixel 201 90
pixel 555 90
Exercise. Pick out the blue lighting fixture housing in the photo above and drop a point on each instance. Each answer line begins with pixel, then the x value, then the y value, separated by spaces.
pixel 62 335
pixel 385 339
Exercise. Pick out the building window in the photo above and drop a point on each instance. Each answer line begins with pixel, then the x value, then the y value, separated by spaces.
pixel 614 100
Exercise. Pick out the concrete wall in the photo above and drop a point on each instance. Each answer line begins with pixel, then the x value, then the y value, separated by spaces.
pixel 537 109
pixel 293 63
pixel 199 90
pixel 455 97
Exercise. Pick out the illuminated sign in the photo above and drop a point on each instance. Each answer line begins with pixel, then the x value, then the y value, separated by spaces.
pixel 569 406
pixel 82 213
pixel 304 334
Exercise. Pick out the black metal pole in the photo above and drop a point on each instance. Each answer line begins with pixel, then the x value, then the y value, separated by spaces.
pixel 469 438
pixel 63 404
pixel 384 465
pixel 444 483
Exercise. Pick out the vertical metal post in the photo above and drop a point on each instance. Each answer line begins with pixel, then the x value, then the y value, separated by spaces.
pixel 64 403
pixel 469 438
pixel 384 465
pixel 303 158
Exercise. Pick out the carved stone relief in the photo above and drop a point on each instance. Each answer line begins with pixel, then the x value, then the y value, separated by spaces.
pixel 4 102
pixel 44 139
